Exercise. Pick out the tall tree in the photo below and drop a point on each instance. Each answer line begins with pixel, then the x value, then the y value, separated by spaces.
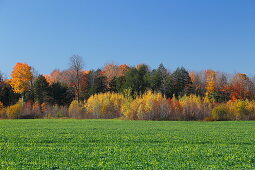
pixel 198 83
pixel 59 94
pixel 41 89
pixel 210 81
pixel 21 78
pixel 7 95
pixel 96 82
pixel 110 71
pixel 76 65
pixel 181 82
pixel 137 79
pixel 241 87
pixel 160 81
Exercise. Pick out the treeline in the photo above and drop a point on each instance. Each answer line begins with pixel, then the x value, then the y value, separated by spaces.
pixel 128 92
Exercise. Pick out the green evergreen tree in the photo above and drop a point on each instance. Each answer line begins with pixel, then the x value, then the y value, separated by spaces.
pixel 41 89
pixel 182 83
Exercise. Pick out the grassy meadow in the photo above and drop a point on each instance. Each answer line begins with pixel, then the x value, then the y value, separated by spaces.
pixel 121 144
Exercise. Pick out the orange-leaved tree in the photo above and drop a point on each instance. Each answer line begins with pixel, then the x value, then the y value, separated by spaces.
pixel 21 78
pixel 241 87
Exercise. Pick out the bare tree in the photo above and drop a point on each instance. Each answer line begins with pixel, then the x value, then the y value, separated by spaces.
pixel 76 66
pixel 1 77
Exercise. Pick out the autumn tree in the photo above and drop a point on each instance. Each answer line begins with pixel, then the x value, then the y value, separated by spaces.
pixel 123 69
pixel 241 87
pixel 110 71
pixel 21 78
pixel 210 81
pixel 53 77
pixel 198 83
pixel 84 85
pixel 76 66
pixel 221 95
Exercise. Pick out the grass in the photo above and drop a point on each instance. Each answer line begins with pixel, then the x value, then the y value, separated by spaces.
pixel 120 144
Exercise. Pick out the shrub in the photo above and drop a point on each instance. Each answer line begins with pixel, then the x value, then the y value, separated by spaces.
pixel 195 107
pixel 221 112
pixel 53 111
pixel 15 111
pixel 149 106
pixel 105 105
pixel 76 109
pixel 242 109
pixel 152 106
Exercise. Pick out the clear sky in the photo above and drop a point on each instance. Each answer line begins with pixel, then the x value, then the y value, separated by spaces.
pixel 196 34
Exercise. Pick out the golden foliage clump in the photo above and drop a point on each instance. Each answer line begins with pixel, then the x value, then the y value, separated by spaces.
pixel 242 109
pixel 234 110
pixel 15 110
pixel 21 77
pixel 149 106
pixel 195 107
pixel 221 112
pixel 75 109
pixel 105 105
pixel 210 81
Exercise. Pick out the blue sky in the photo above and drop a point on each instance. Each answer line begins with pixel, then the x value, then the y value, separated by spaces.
pixel 196 34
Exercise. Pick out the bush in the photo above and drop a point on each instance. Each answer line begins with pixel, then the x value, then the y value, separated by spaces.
pixel 150 106
pixel 242 109
pixel 129 109
pixel 221 112
pixel 105 105
pixel 195 107
pixel 76 109
pixel 55 111
pixel 15 111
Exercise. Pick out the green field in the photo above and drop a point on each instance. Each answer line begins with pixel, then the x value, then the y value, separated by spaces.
pixel 115 144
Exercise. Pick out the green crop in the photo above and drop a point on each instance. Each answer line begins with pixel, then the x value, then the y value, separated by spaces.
pixel 120 144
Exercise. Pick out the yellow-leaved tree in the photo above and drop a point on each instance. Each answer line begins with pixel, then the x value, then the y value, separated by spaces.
pixel 210 81
pixel 21 77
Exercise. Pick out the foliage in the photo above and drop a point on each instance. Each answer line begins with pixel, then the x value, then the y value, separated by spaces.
pixel 210 81
pixel 133 92
pixel 161 81
pixel 105 105
pixel 59 94
pixel 41 89
pixel 76 109
pixel 137 79
pixel 195 107
pixel 55 111
pixel 241 87
pixel 15 110
pixel 149 106
pixel 96 82
pixel 21 77
pixel 182 83
pixel 7 95
pixel 221 112
pixel 242 109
